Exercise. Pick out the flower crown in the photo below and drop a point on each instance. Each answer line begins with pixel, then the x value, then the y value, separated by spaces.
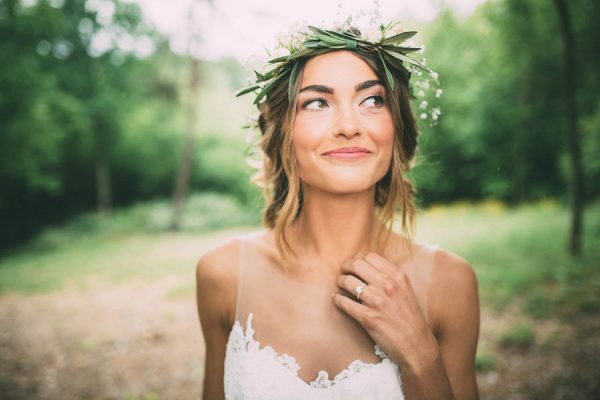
pixel 387 41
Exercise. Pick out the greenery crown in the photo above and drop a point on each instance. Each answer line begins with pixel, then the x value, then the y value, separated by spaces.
pixel 387 41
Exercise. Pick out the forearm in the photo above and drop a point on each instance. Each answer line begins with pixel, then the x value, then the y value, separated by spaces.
pixel 424 376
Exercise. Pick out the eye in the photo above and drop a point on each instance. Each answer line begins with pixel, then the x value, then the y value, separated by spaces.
pixel 314 104
pixel 374 101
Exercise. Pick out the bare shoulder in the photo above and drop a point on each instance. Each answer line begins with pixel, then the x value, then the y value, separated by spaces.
pixel 216 279
pixel 452 271
pixel 453 294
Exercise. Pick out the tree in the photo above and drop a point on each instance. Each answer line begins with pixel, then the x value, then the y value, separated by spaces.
pixel 569 89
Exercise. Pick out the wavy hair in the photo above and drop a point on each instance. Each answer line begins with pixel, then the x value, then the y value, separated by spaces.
pixel 278 174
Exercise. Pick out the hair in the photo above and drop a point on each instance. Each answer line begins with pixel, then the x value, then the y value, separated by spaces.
pixel 278 174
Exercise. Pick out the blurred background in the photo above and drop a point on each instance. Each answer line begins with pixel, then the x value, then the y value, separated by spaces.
pixel 122 160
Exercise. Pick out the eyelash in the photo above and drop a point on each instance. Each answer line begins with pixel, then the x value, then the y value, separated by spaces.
pixel 378 98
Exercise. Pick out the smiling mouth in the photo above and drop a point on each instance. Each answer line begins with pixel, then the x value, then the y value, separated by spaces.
pixel 347 155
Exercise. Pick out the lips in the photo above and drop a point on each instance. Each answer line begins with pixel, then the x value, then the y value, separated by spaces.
pixel 347 150
pixel 347 153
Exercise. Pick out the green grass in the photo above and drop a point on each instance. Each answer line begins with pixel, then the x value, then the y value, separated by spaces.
pixel 130 243
pixel 484 361
pixel 521 252
pixel 520 335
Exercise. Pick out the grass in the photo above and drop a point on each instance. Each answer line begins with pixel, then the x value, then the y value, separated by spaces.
pixel 516 253
pixel 521 252
pixel 130 243
pixel 520 335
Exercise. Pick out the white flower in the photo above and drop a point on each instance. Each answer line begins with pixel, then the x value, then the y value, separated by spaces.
pixel 372 34
pixel 281 52
pixel 423 116
pixel 425 85
pixel 420 93
pixel 438 93
pixel 423 105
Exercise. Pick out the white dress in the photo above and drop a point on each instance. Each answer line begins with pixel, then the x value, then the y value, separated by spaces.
pixel 290 342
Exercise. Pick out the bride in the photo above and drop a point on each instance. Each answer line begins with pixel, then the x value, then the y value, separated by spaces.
pixel 328 302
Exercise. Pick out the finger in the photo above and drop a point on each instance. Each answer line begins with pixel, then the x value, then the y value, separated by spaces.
pixel 350 307
pixel 383 265
pixel 364 271
pixel 349 283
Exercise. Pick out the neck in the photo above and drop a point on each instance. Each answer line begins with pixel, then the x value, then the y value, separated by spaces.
pixel 334 227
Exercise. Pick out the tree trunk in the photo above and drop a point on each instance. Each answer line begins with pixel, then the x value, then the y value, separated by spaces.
pixel 570 87
pixel 182 179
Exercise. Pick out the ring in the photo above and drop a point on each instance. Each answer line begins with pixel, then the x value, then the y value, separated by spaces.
pixel 359 289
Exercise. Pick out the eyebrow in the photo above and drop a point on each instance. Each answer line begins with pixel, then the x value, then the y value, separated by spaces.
pixel 328 90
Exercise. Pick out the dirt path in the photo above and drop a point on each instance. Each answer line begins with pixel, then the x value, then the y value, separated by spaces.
pixel 141 340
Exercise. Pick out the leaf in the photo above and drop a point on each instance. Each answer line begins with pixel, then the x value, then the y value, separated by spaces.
pixel 409 60
pixel 278 59
pixel 330 40
pixel 311 43
pixel 249 89
pixel 399 38
pixel 292 82
pixel 342 35
pixel 388 74
pixel 301 53
pixel 270 85
pixel 400 49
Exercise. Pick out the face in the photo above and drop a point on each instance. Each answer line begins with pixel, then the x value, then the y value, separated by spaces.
pixel 343 131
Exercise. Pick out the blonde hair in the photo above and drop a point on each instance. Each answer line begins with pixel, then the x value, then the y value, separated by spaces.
pixel 278 175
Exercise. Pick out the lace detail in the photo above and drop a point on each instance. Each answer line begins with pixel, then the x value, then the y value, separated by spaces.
pixel 246 361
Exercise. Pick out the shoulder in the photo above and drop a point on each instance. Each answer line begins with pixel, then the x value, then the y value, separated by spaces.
pixel 451 271
pixel 216 280
pixel 453 291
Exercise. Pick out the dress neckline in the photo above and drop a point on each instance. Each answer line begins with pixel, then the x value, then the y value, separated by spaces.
pixel 289 362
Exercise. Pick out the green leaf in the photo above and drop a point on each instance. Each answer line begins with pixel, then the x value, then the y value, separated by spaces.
pixel 330 40
pixel 311 43
pixel 388 74
pixel 301 53
pixel 399 38
pixel 400 49
pixel 249 89
pixel 407 59
pixel 342 35
pixel 270 85
pixel 292 81
pixel 278 59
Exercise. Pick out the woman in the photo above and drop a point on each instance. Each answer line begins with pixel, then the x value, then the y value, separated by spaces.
pixel 328 302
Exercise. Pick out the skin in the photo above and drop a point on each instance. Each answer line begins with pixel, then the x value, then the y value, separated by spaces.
pixel 341 104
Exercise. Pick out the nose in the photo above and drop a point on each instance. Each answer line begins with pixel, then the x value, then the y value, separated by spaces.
pixel 348 123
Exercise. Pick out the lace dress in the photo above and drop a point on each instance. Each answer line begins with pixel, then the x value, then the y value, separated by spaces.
pixel 290 342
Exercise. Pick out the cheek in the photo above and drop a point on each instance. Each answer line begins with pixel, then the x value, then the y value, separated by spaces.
pixel 308 132
pixel 383 135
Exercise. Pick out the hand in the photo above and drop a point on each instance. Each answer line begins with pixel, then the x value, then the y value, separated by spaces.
pixel 388 309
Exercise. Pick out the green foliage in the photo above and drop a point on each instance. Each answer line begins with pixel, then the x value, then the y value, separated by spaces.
pixel 501 135
pixel 520 335
pixel 484 361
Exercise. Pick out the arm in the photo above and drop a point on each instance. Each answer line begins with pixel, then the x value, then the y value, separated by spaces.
pixel 454 304
pixel 216 287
